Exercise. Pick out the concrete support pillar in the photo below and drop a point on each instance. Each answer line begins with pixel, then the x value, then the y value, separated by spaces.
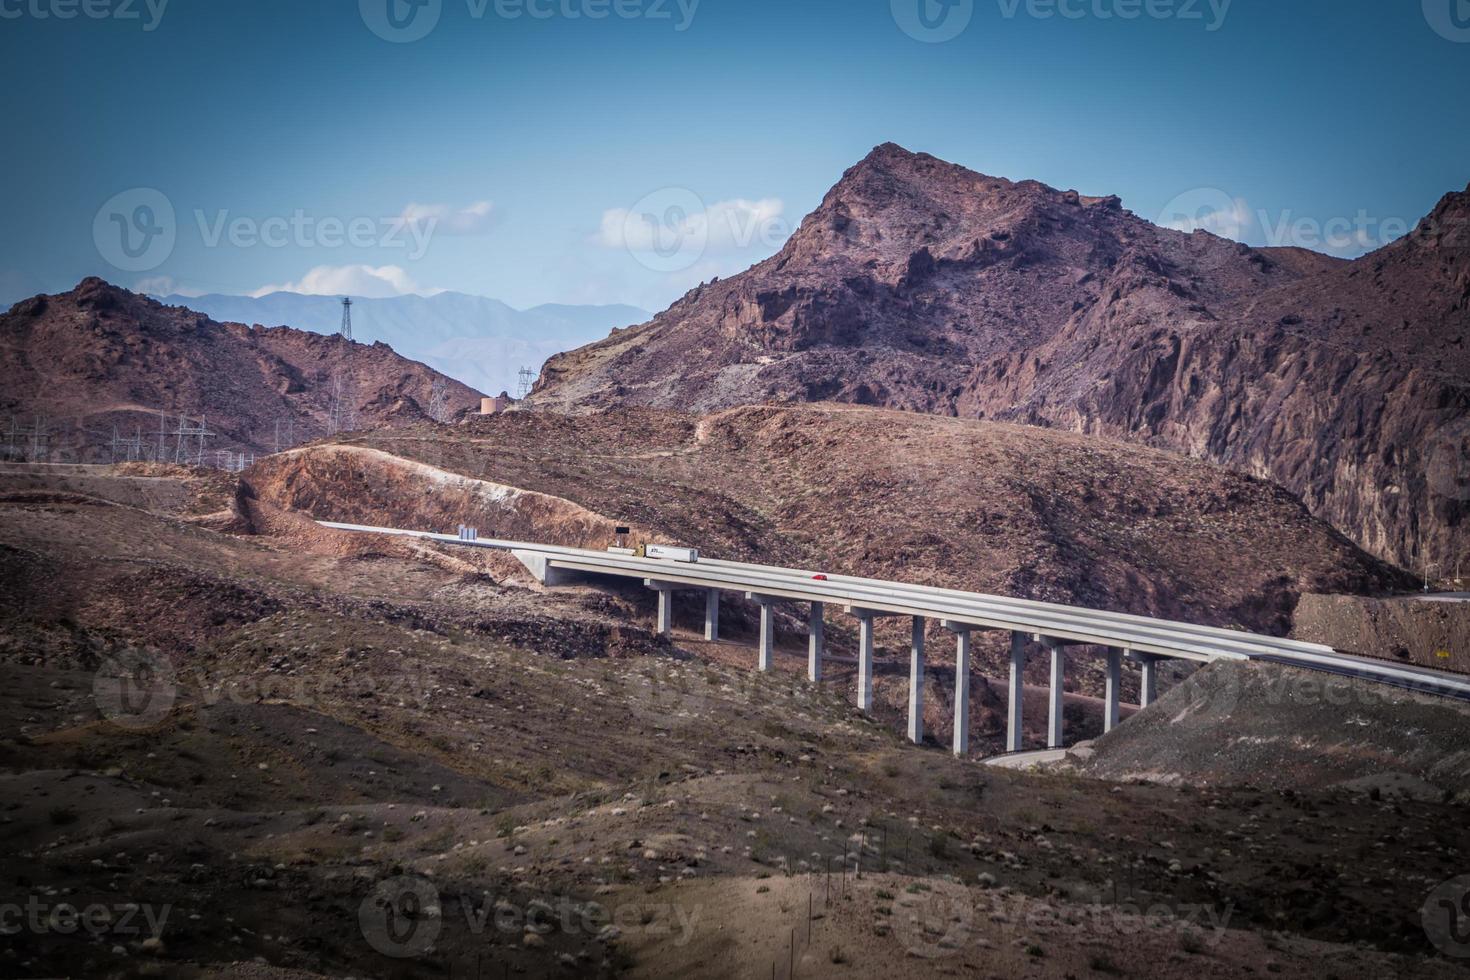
pixel 815 640
pixel 916 683
pixel 1149 688
pixel 961 740
pixel 712 615
pixel 1054 733
pixel 1015 708
pixel 665 612
pixel 1112 689
pixel 768 637
pixel 865 662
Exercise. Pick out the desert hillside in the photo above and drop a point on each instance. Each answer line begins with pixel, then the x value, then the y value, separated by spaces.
pixel 921 285
pixel 269 739
pixel 989 507
pixel 100 361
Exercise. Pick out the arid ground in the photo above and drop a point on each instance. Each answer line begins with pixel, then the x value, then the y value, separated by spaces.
pixel 365 758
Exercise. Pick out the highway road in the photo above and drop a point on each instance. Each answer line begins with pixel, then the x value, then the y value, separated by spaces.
pixel 1139 637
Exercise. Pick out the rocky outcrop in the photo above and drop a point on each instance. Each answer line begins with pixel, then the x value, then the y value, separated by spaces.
pixel 923 286
pixel 99 356
pixel 987 507
pixel 358 484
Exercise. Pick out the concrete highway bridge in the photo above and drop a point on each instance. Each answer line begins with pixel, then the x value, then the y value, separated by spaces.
pixel 1057 628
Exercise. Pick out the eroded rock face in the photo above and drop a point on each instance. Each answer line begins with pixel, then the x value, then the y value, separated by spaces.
pixel 363 484
pixel 923 286
pixel 995 508
pixel 1410 629
pixel 106 357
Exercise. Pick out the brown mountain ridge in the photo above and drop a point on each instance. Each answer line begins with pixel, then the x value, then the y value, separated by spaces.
pixel 101 357
pixel 923 286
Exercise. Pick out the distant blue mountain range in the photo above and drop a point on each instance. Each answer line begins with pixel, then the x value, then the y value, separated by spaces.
pixel 479 341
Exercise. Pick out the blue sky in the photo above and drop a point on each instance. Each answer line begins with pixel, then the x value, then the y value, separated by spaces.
pixel 516 156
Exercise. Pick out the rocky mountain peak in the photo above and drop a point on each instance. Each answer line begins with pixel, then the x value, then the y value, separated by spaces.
pixel 921 285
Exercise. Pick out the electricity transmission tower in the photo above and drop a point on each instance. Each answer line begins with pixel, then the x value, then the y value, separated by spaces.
pixel 233 462
pixel 190 429
pixel 528 378
pixel 12 447
pixel 40 435
pixel 347 317
pixel 289 432
pixel 341 417
pixel 127 449
pixel 439 401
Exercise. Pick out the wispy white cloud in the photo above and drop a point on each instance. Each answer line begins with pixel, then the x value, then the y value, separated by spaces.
pixel 1226 217
pixel 444 219
pixel 370 282
pixel 726 226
